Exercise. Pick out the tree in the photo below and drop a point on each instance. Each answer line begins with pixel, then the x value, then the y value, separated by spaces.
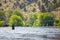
pixel 17 20
pixel 8 13
pixel 31 18
pixel 18 12
pixel 2 15
pixel 2 23
pixel 44 19
pixel 2 18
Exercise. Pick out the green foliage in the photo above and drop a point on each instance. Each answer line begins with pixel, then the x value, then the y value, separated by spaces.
pixel 2 15
pixel 17 20
pixel 44 19
pixel 18 12
pixel 1 23
pixel 57 22
pixel 8 13
pixel 36 23
pixel 31 18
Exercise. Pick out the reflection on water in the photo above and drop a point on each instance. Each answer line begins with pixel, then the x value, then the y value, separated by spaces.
pixel 28 33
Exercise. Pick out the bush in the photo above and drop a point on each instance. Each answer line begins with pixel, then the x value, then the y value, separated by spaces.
pixel 17 20
pixel 57 22
pixel 44 19
pixel 36 23
pixel 1 23
pixel 31 18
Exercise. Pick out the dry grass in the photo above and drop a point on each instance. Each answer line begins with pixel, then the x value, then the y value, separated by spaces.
pixel 30 6
pixel 56 12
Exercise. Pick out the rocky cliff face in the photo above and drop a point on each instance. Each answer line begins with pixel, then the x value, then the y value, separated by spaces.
pixel 30 5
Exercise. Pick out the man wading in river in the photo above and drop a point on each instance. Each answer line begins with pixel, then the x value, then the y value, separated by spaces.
pixel 13 26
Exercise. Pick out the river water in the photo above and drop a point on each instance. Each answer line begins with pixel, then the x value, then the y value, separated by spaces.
pixel 29 33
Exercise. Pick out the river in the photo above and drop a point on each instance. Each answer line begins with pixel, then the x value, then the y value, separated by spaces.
pixel 29 33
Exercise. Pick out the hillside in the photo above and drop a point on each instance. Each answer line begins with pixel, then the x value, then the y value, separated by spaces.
pixel 30 12
pixel 30 5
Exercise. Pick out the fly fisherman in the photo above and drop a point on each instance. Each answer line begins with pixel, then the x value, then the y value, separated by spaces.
pixel 13 26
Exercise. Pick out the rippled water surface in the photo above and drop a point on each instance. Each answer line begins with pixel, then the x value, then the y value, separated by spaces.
pixel 29 33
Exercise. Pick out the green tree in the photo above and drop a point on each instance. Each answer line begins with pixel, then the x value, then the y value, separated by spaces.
pixel 2 23
pixel 8 13
pixel 2 18
pixel 18 12
pixel 2 15
pixel 31 18
pixel 17 20
pixel 44 19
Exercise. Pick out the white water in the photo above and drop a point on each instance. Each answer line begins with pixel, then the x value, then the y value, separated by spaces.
pixel 29 33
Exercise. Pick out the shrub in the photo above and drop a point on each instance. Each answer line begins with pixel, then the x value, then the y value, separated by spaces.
pixel 57 22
